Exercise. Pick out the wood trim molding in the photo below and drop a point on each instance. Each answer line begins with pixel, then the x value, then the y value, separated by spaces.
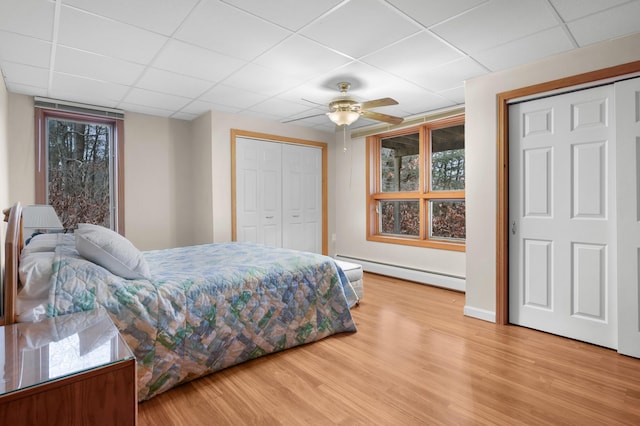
pixel 614 73
pixel 40 136
pixel 283 139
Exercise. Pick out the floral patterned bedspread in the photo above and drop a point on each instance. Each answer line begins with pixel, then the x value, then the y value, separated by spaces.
pixel 208 307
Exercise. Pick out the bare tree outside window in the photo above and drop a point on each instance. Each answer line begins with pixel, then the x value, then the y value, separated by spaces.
pixel 79 164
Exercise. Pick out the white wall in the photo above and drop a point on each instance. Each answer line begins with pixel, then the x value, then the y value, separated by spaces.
pixel 481 135
pixel 351 213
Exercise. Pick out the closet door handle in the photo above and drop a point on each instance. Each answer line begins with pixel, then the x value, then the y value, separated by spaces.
pixel 268 217
pixel 296 215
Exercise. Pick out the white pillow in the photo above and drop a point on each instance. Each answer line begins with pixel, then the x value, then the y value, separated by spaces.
pixel 41 242
pixel 111 250
pixel 35 275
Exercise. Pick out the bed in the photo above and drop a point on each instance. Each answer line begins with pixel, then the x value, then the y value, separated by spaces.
pixel 185 312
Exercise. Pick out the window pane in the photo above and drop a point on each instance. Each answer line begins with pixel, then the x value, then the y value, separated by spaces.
pixel 400 217
pixel 399 163
pixel 79 183
pixel 447 219
pixel 447 158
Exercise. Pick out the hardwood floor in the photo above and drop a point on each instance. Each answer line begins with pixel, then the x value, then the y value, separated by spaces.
pixel 416 359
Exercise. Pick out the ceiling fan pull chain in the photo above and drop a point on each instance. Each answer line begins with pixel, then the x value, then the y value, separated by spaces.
pixel 344 137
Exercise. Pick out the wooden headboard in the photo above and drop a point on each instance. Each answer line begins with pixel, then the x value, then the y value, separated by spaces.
pixel 13 245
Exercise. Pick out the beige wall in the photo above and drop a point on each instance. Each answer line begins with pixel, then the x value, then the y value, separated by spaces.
pixel 21 150
pixel 156 172
pixel 351 212
pixel 222 123
pixel 201 182
pixel 5 201
pixel 177 173
pixel 481 136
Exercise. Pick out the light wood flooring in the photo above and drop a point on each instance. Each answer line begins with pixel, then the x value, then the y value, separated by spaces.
pixel 416 359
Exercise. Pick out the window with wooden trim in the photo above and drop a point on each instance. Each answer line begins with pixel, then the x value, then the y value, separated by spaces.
pixel 417 185
pixel 79 167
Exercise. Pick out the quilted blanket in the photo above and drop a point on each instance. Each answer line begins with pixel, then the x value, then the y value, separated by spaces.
pixel 208 307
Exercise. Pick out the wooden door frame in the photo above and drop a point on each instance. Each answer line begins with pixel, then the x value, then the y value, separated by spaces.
pixel 294 141
pixel 502 229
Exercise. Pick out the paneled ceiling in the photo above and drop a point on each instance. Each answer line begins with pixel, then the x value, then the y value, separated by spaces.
pixel 279 59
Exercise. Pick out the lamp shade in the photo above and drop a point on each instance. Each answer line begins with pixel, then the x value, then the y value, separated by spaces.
pixel 39 218
pixel 343 117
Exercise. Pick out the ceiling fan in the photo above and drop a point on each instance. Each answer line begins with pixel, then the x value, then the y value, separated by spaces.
pixel 344 110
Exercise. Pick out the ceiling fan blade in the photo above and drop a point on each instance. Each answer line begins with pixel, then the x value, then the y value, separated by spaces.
pixel 382 117
pixel 303 118
pixel 378 103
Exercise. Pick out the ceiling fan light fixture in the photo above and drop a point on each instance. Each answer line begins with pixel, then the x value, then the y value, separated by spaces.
pixel 343 117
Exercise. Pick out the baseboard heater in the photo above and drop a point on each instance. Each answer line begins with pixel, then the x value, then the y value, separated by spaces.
pixel 450 282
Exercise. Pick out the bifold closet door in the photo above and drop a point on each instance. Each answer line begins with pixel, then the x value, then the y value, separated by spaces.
pixel 628 176
pixel 562 212
pixel 259 191
pixel 279 194
pixel 302 198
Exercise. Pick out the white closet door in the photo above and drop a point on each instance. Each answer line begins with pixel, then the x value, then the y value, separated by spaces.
pixel 628 174
pixel 259 192
pixel 302 198
pixel 562 260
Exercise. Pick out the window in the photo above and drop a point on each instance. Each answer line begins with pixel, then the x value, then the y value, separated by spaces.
pixel 78 169
pixel 417 184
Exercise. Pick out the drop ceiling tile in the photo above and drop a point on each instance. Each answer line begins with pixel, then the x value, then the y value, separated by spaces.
pixel 261 115
pixel 571 10
pixel 24 50
pixel 310 117
pixel 279 107
pixel 302 57
pixel 373 23
pixel 160 16
pixel 225 29
pixel 33 18
pixel 147 98
pixel 496 23
pixel 27 90
pixel 194 61
pixel 262 80
pixel 287 13
pixel 456 95
pixel 184 116
pixel 609 24
pixel 412 56
pixel 79 89
pixel 92 33
pixel 524 50
pixel 25 74
pixel 429 13
pixel 200 107
pixel 97 67
pixel 172 83
pixel 450 75
pixel 232 97
pixel 145 109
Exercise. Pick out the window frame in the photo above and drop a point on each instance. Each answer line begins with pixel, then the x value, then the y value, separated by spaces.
pixel 41 160
pixel 423 195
